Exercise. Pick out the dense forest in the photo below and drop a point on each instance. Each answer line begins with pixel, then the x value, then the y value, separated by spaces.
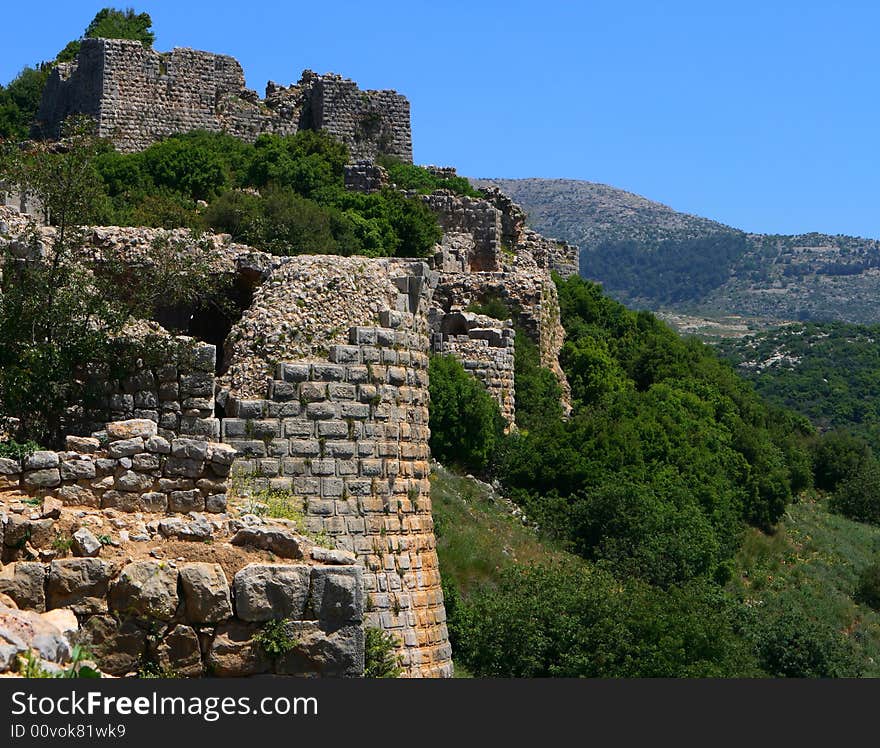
pixel 668 272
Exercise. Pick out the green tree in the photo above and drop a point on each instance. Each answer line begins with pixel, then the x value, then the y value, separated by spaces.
pixel 839 455
pixel 566 620
pixel 62 310
pixel 111 23
pixel 466 425
pixel 858 496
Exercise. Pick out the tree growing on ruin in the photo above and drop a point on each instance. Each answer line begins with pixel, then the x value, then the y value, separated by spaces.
pixel 111 23
pixel 66 308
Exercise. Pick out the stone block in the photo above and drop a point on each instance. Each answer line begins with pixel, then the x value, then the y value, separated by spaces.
pixel 176 467
pixel 271 591
pixel 38 479
pixel 25 583
pixel 133 481
pixel 82 444
pixel 77 469
pixel 186 501
pixel 293 372
pixel 146 588
pixel 153 502
pixel 344 354
pixel 322 411
pixel 80 584
pixel 135 428
pixel 189 449
pixel 41 460
pixel 205 593
pixel 125 447
pixel 117 646
pixel 280 541
pixel 332 654
pixel 179 652
pixel 234 653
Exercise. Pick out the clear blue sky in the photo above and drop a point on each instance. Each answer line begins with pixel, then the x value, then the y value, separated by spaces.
pixel 763 115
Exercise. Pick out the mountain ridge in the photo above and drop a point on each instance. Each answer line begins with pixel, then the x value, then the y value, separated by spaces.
pixel 648 254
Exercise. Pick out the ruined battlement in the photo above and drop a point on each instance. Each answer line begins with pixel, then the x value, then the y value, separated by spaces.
pixel 138 96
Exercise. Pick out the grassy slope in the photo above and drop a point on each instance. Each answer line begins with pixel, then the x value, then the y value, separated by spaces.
pixel 814 559
pixel 477 536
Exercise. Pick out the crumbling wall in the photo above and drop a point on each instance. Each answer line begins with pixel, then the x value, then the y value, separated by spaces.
pixel 127 467
pixel 177 394
pixel 138 96
pixel 365 176
pixel 488 253
pixel 474 218
pixel 485 347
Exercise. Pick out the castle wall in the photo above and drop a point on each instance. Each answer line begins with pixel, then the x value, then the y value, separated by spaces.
pixel 139 96
pixel 347 431
pixel 176 393
pixel 485 348
pixel 466 216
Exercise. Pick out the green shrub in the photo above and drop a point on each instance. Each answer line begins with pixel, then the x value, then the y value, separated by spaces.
pixel 868 587
pixel 274 638
pixel 13 450
pixel 380 654
pixel 791 644
pixel 838 456
pixel 658 534
pixel 858 496
pixel 417 178
pixel 491 306
pixel 466 424
pixel 572 621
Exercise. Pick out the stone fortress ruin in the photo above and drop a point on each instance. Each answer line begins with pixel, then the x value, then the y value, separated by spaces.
pixel 319 390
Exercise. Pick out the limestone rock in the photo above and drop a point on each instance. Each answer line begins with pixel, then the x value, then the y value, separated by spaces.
pixel 233 652
pixel 266 591
pixel 80 584
pixel 205 593
pixel 147 588
pixel 51 508
pixel 178 652
pixel 85 543
pixel 25 583
pixel 279 541
pixel 195 530
pixel 41 460
pixel 134 428
pixel 25 629
pixel 337 594
pixel 118 647
pixel 82 444
pixel 331 556
pixel 36 479
pixel 335 654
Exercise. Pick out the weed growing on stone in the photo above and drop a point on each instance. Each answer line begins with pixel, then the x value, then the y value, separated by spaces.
pixel 274 638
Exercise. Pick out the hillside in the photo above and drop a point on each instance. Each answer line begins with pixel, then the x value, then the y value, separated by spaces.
pixel 829 372
pixel 647 254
